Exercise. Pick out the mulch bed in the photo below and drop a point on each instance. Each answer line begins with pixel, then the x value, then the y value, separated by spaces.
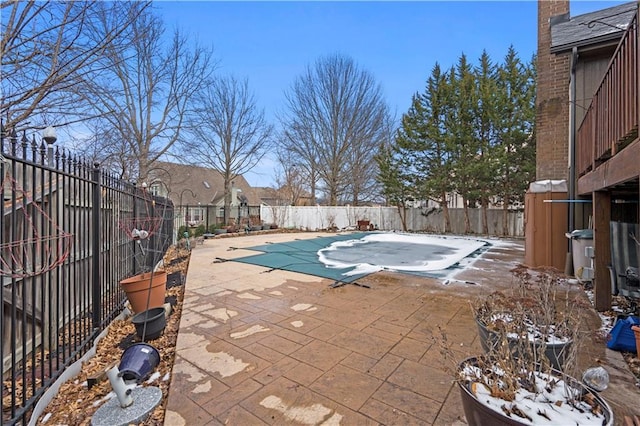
pixel 79 398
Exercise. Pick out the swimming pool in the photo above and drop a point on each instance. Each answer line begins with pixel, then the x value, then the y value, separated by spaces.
pixel 347 257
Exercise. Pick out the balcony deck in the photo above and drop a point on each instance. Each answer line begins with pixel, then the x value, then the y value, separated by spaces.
pixel 607 147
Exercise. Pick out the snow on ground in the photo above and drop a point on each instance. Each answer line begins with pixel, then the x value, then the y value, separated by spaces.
pixel 608 318
pixel 400 252
pixel 547 406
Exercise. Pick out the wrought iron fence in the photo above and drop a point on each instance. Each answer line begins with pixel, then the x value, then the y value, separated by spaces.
pixel 69 232
pixel 208 218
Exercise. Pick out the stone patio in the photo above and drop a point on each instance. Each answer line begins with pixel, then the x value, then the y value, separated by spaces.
pixel 259 346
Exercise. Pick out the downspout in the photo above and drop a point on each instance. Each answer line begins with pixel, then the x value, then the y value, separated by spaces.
pixel 569 267
pixel 572 140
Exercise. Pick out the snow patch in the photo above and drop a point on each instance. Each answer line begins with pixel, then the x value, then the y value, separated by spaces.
pixel 303 307
pixel 306 415
pixel 249 296
pixel 223 314
pixel 249 331
pixel 450 251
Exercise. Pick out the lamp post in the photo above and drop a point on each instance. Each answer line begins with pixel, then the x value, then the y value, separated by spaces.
pixel 50 137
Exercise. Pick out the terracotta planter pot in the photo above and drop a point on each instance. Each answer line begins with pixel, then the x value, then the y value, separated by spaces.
pixel 636 332
pixel 142 287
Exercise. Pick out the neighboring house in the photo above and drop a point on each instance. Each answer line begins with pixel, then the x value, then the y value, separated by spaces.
pixel 271 196
pixel 282 197
pixel 587 120
pixel 198 193
pixel 455 201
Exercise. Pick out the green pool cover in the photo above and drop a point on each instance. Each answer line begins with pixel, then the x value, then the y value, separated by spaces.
pixel 302 256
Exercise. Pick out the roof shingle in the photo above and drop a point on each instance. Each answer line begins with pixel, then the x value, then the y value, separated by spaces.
pixel 591 28
pixel 206 184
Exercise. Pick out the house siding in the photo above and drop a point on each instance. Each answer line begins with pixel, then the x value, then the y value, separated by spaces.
pixel 589 73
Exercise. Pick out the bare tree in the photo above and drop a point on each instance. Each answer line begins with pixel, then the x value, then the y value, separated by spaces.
pixel 47 48
pixel 300 145
pixel 336 120
pixel 229 132
pixel 291 178
pixel 363 185
pixel 145 92
pixel 98 143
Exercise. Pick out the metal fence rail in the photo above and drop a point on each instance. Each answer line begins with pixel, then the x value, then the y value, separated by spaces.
pixel 64 247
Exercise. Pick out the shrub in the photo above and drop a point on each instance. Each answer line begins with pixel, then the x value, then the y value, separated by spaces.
pixel 215 226
pixel 199 231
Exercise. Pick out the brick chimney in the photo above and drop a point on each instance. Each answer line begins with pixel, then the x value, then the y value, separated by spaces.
pixel 552 101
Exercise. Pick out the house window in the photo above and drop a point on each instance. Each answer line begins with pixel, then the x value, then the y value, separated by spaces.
pixel 194 216
pixel 155 190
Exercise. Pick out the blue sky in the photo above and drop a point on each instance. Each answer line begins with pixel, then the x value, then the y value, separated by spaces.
pixel 271 43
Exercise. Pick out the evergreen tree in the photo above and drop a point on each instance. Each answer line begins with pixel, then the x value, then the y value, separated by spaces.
pixel 423 140
pixel 486 116
pixel 516 143
pixel 471 133
pixel 461 131
pixel 395 187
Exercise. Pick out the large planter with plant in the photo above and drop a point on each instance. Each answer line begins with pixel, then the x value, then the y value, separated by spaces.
pixel 536 319
pixel 530 335
pixel 507 392
pixel 146 290
pixel 554 347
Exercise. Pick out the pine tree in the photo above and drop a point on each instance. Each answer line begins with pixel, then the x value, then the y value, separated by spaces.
pixel 470 132
pixel 395 187
pixel 461 131
pixel 486 116
pixel 423 139
pixel 515 150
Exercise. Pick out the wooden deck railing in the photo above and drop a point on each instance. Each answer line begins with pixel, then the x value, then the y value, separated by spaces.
pixel 611 121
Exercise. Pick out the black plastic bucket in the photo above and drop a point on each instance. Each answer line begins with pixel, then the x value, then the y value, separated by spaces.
pixel 155 323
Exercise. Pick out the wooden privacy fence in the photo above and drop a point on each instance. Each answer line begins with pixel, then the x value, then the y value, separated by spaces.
pixel 314 218
pixel 64 247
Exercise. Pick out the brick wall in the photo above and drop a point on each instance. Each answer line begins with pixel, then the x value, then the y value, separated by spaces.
pixel 552 102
